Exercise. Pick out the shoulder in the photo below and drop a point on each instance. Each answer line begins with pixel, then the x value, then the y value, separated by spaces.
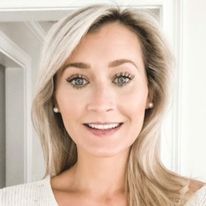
pixel 35 193
pixel 197 192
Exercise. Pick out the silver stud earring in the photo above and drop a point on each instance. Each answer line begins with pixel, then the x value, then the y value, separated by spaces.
pixel 55 109
pixel 150 105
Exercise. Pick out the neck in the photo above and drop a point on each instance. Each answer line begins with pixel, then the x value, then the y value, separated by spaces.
pixel 105 175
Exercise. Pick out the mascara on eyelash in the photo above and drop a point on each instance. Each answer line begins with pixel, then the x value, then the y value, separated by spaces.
pixel 75 77
pixel 125 74
pixel 72 77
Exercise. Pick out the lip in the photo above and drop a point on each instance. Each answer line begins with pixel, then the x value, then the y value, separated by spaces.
pixel 103 132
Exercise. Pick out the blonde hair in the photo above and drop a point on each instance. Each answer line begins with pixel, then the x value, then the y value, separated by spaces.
pixel 148 181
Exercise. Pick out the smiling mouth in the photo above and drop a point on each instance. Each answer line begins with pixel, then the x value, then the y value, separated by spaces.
pixel 103 126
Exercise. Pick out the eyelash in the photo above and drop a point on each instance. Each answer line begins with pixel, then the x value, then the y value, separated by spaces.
pixel 126 78
pixel 124 75
pixel 75 77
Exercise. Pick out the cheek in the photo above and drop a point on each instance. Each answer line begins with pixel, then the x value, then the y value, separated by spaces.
pixel 66 107
pixel 134 108
pixel 135 101
pixel 66 100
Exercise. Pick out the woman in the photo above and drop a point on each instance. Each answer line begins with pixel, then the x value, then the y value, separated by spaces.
pixel 101 95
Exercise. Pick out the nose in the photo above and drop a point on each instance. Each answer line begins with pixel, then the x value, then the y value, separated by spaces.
pixel 102 99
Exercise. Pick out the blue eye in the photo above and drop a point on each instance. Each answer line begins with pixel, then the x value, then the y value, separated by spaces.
pixel 122 79
pixel 77 81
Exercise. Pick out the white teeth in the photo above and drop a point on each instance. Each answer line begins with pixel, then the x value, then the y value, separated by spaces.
pixel 104 126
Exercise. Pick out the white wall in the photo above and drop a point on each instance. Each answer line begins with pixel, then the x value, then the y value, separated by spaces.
pixel 22 36
pixel 14 125
pixel 31 45
pixel 193 144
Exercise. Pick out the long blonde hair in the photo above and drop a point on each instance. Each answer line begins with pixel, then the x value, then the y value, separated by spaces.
pixel 148 181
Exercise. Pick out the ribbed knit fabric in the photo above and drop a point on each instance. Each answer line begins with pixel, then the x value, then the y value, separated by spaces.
pixel 30 194
pixel 40 194
pixel 199 198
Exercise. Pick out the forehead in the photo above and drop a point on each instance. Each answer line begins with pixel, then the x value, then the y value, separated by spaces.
pixel 114 37
pixel 109 43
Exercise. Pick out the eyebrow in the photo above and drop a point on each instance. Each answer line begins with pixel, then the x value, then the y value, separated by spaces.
pixel 115 63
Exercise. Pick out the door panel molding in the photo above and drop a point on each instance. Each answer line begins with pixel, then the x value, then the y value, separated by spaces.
pixel 15 55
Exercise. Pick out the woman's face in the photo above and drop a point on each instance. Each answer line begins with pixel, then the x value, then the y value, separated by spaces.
pixel 102 91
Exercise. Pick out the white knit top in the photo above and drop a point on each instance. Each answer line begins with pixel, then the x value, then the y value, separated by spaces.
pixel 40 194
